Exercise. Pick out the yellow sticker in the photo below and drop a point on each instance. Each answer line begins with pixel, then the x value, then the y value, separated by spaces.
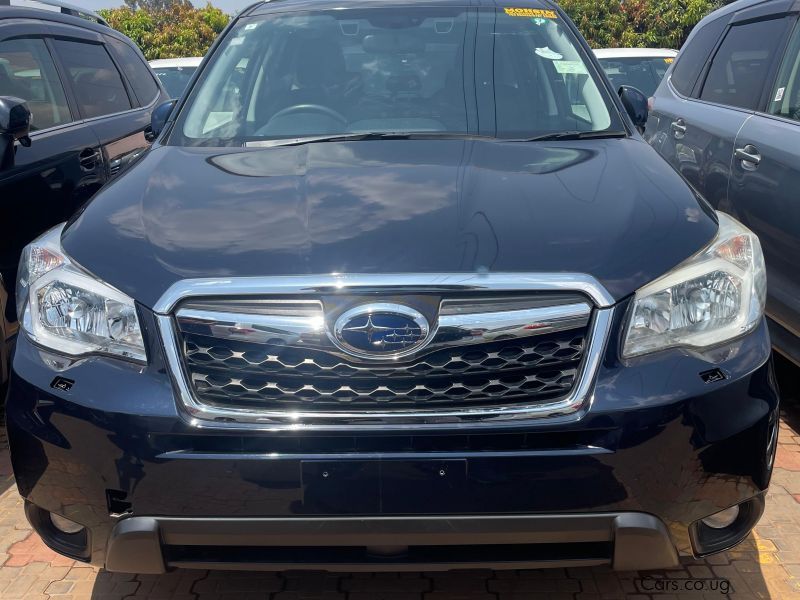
pixel 669 60
pixel 537 13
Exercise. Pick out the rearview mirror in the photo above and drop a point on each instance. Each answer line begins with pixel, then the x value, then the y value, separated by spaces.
pixel 635 103
pixel 15 125
pixel 158 119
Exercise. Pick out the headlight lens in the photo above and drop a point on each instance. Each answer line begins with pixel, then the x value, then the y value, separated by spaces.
pixel 65 309
pixel 716 295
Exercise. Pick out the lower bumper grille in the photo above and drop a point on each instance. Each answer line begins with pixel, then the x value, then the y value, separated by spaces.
pixel 239 374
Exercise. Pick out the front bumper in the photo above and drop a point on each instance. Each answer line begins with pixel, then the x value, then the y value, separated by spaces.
pixel 622 481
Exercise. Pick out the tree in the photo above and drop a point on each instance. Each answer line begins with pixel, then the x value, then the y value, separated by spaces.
pixel 176 30
pixel 647 23
pixel 153 5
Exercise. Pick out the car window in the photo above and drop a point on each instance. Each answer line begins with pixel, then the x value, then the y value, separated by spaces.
pixel 98 85
pixel 739 70
pixel 136 70
pixel 785 97
pixel 643 73
pixel 174 79
pixel 507 73
pixel 27 71
pixel 696 54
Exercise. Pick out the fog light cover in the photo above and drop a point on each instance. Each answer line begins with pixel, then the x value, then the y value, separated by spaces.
pixel 726 528
pixel 723 518
pixel 65 525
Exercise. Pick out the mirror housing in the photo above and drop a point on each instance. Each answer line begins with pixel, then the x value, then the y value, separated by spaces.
pixel 15 125
pixel 15 118
pixel 158 119
pixel 635 103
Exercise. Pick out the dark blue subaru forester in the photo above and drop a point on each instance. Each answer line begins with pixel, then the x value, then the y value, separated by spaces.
pixel 400 286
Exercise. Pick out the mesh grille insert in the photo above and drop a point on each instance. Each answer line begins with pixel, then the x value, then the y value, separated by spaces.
pixel 237 374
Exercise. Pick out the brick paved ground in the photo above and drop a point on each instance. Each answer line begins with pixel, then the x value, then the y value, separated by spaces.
pixel 766 565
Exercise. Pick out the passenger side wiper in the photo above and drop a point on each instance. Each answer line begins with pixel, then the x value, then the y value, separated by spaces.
pixel 365 136
pixel 575 135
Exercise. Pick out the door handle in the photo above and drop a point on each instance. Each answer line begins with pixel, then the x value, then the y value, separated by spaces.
pixel 678 129
pixel 749 156
pixel 88 159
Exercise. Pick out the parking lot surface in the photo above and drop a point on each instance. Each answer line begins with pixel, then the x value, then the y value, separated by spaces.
pixel 766 565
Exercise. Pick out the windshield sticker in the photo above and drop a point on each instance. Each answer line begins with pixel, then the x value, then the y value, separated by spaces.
pixel 572 67
pixel 669 60
pixel 531 12
pixel 779 94
pixel 547 53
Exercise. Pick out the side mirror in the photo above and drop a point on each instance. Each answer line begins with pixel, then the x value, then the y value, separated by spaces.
pixel 15 124
pixel 635 103
pixel 158 118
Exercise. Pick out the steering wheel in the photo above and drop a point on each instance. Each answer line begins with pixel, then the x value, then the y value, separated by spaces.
pixel 310 108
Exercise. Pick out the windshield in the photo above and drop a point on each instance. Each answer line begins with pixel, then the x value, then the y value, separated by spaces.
pixel 509 73
pixel 642 73
pixel 174 79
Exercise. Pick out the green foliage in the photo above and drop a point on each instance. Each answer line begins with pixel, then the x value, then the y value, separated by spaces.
pixel 637 23
pixel 153 5
pixel 168 28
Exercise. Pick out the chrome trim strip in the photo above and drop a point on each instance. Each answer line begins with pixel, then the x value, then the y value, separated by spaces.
pixel 452 330
pixel 390 283
pixel 209 417
pixel 255 328
pixel 486 327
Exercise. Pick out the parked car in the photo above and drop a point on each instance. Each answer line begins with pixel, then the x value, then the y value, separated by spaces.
pixel 90 94
pixel 642 68
pixel 394 300
pixel 727 118
pixel 175 73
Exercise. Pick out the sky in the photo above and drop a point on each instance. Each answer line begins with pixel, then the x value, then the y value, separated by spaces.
pixel 229 6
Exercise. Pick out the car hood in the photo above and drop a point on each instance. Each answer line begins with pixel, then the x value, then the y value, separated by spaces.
pixel 610 208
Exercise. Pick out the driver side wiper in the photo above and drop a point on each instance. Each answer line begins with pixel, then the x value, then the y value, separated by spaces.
pixel 365 136
pixel 575 135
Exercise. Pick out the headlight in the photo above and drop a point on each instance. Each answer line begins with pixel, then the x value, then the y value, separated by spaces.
pixel 716 295
pixel 65 309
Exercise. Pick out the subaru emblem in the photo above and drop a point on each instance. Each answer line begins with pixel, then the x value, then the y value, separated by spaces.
pixel 381 331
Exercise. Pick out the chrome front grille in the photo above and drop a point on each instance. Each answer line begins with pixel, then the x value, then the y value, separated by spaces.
pixel 280 355
pixel 267 352
pixel 233 373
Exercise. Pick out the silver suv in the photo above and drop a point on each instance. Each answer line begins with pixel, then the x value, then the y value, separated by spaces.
pixel 727 116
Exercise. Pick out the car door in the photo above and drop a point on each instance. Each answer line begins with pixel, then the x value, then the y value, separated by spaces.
pixel 62 167
pixel 695 137
pixel 104 98
pixel 765 180
pixel 703 129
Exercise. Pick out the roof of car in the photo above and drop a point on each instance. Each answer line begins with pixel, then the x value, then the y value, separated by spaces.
pixel 47 14
pixel 728 10
pixel 291 5
pixel 635 52
pixel 167 63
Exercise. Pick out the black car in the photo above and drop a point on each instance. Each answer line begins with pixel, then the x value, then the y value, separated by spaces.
pixel 90 93
pixel 399 286
pixel 727 116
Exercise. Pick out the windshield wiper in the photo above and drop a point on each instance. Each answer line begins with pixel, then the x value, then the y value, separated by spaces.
pixel 365 136
pixel 575 135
